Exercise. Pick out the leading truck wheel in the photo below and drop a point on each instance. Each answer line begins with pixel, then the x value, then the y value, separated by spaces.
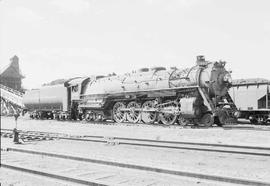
pixel 207 120
pixel 118 115
pixel 221 118
pixel 182 121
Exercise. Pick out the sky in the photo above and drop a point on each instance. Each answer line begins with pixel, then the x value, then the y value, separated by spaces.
pixel 69 38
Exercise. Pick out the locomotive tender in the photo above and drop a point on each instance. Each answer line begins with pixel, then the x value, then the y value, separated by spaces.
pixel 58 101
pixel 192 95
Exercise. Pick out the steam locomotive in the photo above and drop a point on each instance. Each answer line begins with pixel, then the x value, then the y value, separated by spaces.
pixel 196 95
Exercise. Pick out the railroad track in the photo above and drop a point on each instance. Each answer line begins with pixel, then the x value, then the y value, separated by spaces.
pixel 241 127
pixel 99 172
pixel 217 148
pixel 34 135
pixel 146 143
pixel 234 126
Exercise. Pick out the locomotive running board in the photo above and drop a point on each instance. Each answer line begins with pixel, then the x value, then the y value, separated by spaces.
pixel 160 110
pixel 140 91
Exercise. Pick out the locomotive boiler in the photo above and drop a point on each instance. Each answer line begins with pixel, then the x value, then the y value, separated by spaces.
pixel 192 95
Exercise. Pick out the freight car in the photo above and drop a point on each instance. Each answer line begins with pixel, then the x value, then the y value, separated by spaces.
pixel 192 95
pixel 252 97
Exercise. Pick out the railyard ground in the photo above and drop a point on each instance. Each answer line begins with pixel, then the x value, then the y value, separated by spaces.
pixel 171 133
pixel 231 165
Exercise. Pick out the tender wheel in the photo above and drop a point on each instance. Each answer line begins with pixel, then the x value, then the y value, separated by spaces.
pixel 56 116
pixel 99 117
pixel 37 116
pixel 148 117
pixel 118 115
pixel 93 116
pixel 207 120
pixel 81 117
pixel 133 116
pixel 88 117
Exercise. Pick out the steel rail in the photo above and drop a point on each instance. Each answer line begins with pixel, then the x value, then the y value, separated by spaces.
pixel 185 143
pixel 50 175
pixel 147 140
pixel 225 127
pixel 245 128
pixel 172 147
pixel 147 168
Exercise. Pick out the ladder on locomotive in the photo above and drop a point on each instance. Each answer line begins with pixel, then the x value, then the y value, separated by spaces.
pixel 209 102
pixel 230 100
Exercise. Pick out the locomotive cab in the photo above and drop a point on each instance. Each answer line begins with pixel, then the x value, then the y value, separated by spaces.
pixel 75 88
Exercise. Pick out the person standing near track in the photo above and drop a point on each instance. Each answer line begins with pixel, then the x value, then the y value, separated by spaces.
pixel 15 131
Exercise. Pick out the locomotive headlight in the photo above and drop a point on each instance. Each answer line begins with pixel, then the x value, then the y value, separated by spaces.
pixel 227 78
